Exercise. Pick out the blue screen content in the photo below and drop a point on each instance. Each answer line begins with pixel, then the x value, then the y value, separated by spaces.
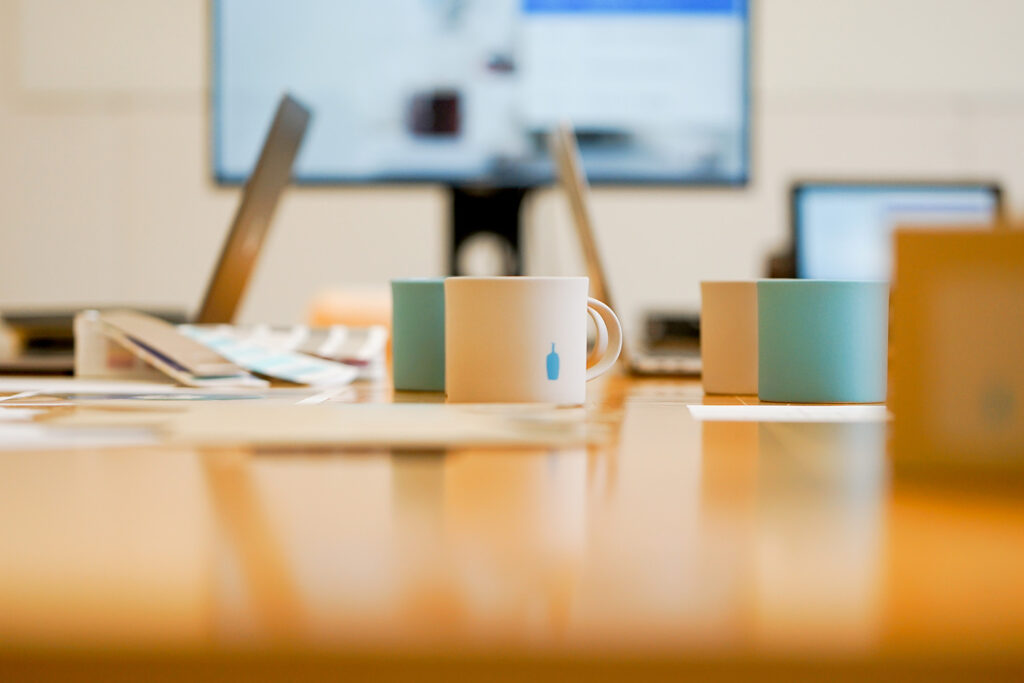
pixel 845 232
pixel 465 91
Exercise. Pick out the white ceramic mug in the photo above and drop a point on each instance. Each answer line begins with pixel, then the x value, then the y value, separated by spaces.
pixel 524 339
pixel 728 336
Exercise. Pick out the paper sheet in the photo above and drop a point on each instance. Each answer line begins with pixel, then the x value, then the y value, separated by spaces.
pixel 73 385
pixel 789 413
pixel 17 414
pixel 408 425
pixel 64 386
pixel 34 436
pixel 19 395
pixel 266 359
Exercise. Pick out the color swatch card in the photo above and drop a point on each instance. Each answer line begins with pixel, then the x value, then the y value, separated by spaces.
pixel 360 347
pixel 264 359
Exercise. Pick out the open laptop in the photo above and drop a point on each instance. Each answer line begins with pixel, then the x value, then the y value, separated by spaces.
pixel 574 181
pixel 843 230
pixel 237 258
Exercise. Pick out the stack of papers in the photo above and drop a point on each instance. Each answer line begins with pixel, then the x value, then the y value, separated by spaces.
pixel 157 343
pixel 127 344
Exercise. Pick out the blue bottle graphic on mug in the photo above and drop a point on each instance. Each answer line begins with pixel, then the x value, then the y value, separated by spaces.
pixel 553 363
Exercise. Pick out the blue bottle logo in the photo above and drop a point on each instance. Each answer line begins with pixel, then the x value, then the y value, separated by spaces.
pixel 553 363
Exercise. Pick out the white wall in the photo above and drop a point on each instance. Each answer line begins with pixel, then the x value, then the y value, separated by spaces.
pixel 105 192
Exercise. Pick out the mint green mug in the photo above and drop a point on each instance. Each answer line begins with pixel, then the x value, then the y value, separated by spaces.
pixel 822 341
pixel 417 334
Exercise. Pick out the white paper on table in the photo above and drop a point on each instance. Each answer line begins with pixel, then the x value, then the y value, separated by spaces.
pixel 70 385
pixel 17 414
pixel 33 436
pixel 18 396
pixel 789 413
pixel 60 386
pixel 396 425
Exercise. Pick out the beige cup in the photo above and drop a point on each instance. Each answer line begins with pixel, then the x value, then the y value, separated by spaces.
pixel 524 339
pixel 728 336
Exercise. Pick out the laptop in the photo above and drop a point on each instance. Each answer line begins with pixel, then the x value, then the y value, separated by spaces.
pixel 843 230
pixel 563 147
pixel 237 260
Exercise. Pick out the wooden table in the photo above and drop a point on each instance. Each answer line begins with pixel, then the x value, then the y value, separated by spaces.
pixel 677 546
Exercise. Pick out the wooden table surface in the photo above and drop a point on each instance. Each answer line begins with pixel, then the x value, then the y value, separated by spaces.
pixel 714 547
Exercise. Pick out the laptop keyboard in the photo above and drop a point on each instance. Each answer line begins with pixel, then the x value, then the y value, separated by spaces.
pixel 684 365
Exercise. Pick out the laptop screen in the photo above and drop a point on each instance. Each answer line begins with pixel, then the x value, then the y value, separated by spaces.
pixel 843 231
pixel 245 239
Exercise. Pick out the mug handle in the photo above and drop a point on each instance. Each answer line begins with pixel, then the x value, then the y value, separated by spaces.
pixel 610 329
pixel 600 340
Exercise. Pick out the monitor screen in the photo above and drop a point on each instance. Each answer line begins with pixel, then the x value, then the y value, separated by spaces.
pixel 465 91
pixel 844 231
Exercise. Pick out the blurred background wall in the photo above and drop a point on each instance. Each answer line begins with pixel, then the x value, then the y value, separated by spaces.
pixel 106 191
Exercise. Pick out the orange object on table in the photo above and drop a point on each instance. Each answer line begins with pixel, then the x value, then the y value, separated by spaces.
pixel 354 306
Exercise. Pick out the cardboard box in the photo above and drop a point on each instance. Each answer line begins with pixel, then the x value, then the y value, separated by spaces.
pixel 957 361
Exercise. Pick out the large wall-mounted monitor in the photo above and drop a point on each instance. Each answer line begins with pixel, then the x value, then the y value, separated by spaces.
pixel 464 92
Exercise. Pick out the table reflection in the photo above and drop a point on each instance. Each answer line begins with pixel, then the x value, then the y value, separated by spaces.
pixel 768 536
pixel 806 503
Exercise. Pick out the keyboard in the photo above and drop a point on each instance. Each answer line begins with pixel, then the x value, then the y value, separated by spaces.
pixel 681 364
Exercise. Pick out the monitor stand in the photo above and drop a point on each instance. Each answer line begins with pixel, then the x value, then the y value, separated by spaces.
pixel 485 231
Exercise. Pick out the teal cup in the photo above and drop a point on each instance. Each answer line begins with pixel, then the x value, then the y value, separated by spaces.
pixel 417 334
pixel 822 341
